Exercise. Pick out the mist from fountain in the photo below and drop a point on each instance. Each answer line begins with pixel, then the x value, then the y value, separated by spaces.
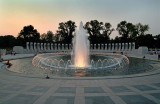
pixel 80 52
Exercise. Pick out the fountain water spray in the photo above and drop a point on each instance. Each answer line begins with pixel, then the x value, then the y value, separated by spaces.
pixel 80 52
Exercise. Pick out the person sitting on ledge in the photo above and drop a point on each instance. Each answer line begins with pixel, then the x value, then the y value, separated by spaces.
pixel 1 59
pixel 144 57
pixel 14 53
pixel 47 77
pixel 8 63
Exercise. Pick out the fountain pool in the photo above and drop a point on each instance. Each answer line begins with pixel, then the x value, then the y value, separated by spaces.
pixel 42 64
pixel 97 61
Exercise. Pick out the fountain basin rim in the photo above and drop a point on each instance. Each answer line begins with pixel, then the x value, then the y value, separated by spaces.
pixel 73 67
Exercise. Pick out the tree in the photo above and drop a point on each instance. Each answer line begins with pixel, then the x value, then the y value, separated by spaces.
pixel 65 31
pixel 94 29
pixel 141 29
pixel 43 37
pixel 157 41
pixel 28 33
pixel 49 37
pixel 145 40
pixel 98 32
pixel 117 40
pixel 7 41
pixel 20 42
pixel 127 31
pixel 107 30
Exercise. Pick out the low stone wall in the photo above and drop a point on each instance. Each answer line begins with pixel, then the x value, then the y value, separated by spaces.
pixel 18 49
pixel 147 56
pixel 140 52
pixel 3 51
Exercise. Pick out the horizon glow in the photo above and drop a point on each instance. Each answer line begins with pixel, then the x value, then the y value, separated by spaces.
pixel 46 15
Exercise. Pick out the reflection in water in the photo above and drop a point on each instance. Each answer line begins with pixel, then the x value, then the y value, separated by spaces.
pixel 80 73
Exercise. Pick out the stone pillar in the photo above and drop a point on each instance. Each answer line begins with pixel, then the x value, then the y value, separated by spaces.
pixel 45 46
pixel 105 47
pixel 62 47
pixel 31 46
pixel 98 46
pixel 42 47
pixel 52 46
pixel 27 45
pixel 58 46
pixel 102 46
pixel 55 46
pixel 130 46
pixel 35 48
pixel 116 46
pixel 48 47
pixel 91 46
pixel 120 46
pixel 126 46
pixel 66 46
pixel 109 46
pixel 95 47
pixel 133 46
pixel 70 46
pixel 112 46
pixel 38 47
pixel 123 47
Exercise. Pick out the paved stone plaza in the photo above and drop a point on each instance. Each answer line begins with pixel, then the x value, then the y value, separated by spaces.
pixel 131 89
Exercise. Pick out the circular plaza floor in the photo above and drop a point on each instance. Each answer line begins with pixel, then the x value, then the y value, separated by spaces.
pixel 18 88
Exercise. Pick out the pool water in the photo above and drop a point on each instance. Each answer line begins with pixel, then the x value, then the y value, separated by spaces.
pixel 135 66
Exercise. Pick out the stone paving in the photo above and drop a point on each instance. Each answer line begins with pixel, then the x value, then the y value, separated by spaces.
pixel 12 57
pixel 27 89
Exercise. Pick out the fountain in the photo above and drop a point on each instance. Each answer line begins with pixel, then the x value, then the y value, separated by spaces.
pixel 80 60
pixel 80 52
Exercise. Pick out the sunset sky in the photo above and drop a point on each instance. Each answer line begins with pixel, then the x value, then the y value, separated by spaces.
pixel 45 15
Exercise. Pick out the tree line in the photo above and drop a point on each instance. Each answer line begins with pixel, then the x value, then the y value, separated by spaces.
pixel 98 32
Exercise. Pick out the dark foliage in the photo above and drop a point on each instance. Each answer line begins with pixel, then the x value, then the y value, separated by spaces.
pixel 65 32
pixel 29 34
pixel 7 41
pixel 99 33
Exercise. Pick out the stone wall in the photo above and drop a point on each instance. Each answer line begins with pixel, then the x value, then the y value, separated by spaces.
pixel 50 47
